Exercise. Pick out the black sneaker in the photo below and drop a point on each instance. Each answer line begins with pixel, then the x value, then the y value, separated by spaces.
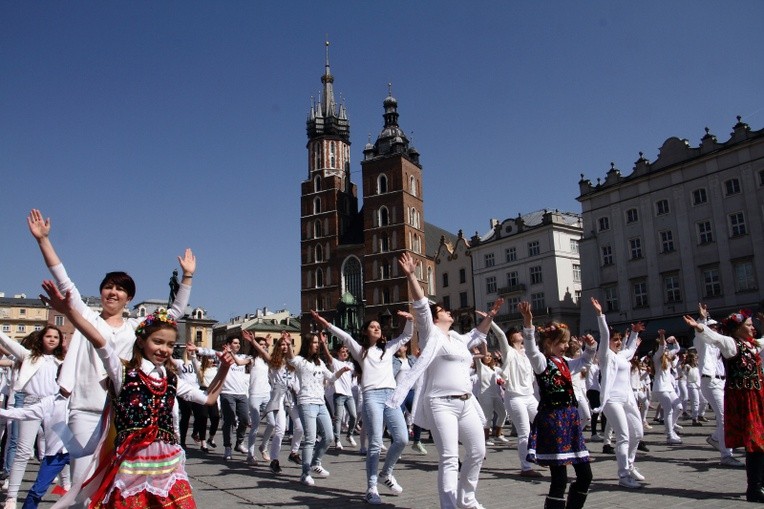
pixel 608 449
pixel 295 458
pixel 211 443
pixel 642 447
pixel 275 467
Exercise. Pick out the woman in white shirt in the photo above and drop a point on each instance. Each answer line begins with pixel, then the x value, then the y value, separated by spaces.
pixel 617 397
pixel 663 385
pixel 313 375
pixel 519 395
pixel 444 402
pixel 36 379
pixel 375 356
pixel 259 393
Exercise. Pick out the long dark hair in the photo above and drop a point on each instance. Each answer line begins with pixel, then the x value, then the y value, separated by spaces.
pixel 307 341
pixel 365 344
pixel 36 348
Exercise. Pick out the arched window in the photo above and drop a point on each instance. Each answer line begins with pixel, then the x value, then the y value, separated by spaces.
pixel 332 155
pixel 319 253
pixel 142 311
pixel 318 230
pixel 412 185
pixel 381 184
pixel 384 216
pixel 317 183
pixel 352 279
pixel 430 286
pixel 309 282
pixel 319 278
pixel 384 243
pixel 316 205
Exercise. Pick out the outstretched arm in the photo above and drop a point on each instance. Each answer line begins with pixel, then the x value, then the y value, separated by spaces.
pixel 64 305
pixel 39 227
pixel 487 320
pixel 216 386
pixel 408 265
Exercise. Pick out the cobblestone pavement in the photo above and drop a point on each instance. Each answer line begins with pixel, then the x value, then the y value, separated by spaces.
pixel 688 475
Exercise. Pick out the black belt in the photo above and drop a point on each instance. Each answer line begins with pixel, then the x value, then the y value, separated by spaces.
pixel 715 376
pixel 462 397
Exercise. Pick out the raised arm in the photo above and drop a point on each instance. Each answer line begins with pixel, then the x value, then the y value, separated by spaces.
pixel 263 352
pixel 407 263
pixel 39 227
pixel 216 386
pixel 322 340
pixel 487 320
pixel 406 335
pixel 538 360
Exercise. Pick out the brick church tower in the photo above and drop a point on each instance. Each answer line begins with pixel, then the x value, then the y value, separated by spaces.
pixel 349 271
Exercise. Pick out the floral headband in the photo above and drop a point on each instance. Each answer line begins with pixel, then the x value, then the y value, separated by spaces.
pixel 152 319
pixel 736 319
pixel 552 328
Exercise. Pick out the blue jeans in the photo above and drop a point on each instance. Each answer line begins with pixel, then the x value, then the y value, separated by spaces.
pixel 377 417
pixel 342 402
pixel 312 417
pixel 10 446
pixel 49 469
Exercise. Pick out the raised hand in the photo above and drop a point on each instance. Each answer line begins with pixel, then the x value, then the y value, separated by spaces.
pixel 320 319
pixel 524 307
pixel 692 323
pixel 405 314
pixel 638 327
pixel 248 335
pixel 702 310
pixel 588 339
pixel 39 227
pixel 407 263
pixel 61 303
pixel 596 305
pixel 496 307
pixel 188 263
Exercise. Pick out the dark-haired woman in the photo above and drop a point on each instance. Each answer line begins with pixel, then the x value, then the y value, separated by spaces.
pixel 313 375
pixel 443 398
pixel 36 379
pixel 377 384
pixel 82 374
pixel 743 393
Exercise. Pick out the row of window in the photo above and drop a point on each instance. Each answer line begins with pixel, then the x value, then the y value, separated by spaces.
pixel 662 207
pixel 382 184
pixel 745 280
pixel 704 231
pixel 21 328
pixel 537 300
pixel 462 278
pixel 535 276
pixel 318 158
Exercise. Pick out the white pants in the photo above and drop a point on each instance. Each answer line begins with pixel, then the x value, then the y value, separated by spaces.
pixel 84 428
pixel 672 409
pixel 493 404
pixel 522 410
pixel 24 449
pixel 713 390
pixel 584 410
pixel 626 421
pixel 279 429
pixel 455 420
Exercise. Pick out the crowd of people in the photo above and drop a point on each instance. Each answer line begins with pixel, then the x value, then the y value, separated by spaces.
pixel 549 385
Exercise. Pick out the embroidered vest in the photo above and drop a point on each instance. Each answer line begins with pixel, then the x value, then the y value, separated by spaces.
pixel 744 369
pixel 145 401
pixel 555 388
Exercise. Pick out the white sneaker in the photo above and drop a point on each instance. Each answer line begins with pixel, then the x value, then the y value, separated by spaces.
pixel 5 484
pixel 628 482
pixel 677 427
pixel 241 448
pixel 372 497
pixel 634 473
pixel 391 483
pixel 351 441
pixel 319 471
pixel 10 503
pixel 502 439
pixel 712 442
pixel 489 442
pixel 338 444
pixel 382 447
pixel 307 480
pixel 729 461
pixel 419 448
pixel 673 441
pixel 264 453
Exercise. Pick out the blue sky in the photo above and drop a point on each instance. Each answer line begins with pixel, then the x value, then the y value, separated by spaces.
pixel 143 128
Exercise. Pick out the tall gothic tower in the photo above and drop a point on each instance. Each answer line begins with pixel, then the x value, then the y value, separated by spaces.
pixel 393 218
pixel 328 205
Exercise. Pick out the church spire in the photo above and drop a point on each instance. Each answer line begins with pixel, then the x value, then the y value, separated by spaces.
pixel 327 79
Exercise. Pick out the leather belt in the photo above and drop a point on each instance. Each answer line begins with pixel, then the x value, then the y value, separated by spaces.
pixel 462 397
pixel 715 376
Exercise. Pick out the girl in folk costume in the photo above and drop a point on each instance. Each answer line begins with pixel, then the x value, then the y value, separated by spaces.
pixel 147 467
pixel 556 438
pixel 743 392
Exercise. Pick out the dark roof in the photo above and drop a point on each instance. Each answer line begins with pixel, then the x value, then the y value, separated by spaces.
pixel 21 303
pixel 432 235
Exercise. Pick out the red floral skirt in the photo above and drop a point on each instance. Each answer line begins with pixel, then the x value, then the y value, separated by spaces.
pixel 179 497
pixel 744 419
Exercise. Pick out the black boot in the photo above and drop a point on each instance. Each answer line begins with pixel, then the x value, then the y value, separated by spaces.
pixel 554 503
pixel 754 465
pixel 576 499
